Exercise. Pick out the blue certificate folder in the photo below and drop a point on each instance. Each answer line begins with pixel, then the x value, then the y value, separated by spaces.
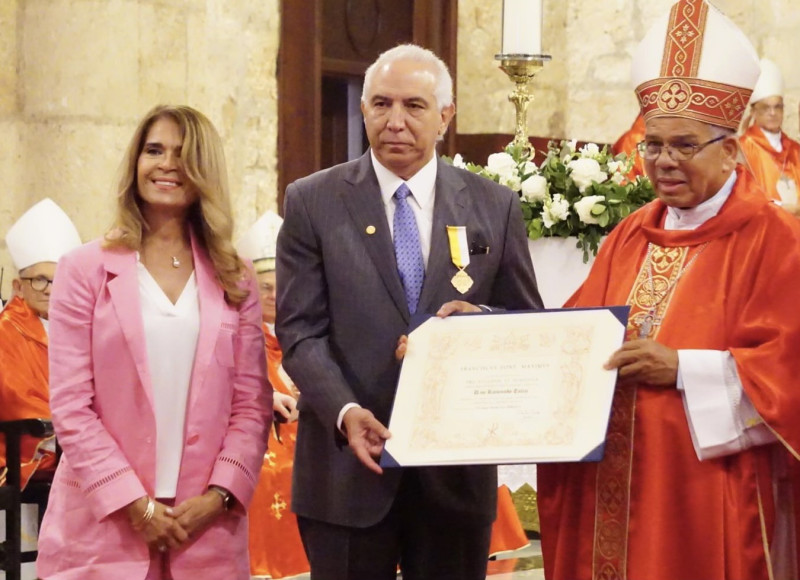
pixel 620 313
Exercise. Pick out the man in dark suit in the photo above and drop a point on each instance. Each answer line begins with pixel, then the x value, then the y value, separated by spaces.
pixel 350 264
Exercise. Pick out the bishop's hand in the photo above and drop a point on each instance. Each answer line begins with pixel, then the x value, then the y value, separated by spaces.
pixel 645 362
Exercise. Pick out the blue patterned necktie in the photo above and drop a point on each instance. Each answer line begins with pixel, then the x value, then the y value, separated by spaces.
pixel 407 249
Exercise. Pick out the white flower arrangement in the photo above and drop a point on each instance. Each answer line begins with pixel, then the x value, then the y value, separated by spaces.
pixel 582 193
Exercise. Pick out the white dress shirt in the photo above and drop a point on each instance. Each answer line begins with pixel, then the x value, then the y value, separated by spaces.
pixel 170 332
pixel 722 420
pixel 423 194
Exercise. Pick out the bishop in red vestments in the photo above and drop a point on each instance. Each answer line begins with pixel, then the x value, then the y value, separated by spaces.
pixel 36 241
pixel 770 155
pixel 276 550
pixel 703 434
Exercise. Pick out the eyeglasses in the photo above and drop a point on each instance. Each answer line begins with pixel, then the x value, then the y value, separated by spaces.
pixel 38 283
pixel 651 150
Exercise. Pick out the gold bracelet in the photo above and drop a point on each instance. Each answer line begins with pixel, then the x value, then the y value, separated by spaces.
pixel 149 511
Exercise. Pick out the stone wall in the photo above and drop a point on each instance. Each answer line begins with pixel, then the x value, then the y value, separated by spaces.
pixel 584 92
pixel 77 75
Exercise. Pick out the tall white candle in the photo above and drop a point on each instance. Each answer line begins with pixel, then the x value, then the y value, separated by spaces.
pixel 522 26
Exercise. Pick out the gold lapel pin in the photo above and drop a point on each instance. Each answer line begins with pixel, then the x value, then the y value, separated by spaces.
pixel 370 230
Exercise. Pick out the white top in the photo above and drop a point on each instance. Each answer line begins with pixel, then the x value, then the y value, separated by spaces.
pixel 722 420
pixel 170 332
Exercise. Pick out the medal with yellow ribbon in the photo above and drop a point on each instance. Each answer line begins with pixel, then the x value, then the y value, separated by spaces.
pixel 459 254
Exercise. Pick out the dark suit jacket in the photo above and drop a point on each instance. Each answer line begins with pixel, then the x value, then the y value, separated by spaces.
pixel 341 309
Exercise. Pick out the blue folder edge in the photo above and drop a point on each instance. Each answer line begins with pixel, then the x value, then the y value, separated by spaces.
pixel 620 313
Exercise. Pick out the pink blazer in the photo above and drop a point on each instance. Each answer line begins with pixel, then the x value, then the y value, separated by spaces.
pixel 102 406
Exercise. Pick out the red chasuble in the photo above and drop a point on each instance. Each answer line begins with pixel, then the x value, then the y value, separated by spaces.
pixel 650 510
pixel 767 164
pixel 275 546
pixel 24 386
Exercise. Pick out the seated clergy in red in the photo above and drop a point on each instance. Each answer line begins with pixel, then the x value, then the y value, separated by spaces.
pixel 36 242
pixel 704 424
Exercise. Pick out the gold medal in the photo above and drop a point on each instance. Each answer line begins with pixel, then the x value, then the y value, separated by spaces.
pixel 461 281
pixel 459 254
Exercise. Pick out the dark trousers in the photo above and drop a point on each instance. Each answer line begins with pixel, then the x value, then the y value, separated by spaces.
pixel 425 543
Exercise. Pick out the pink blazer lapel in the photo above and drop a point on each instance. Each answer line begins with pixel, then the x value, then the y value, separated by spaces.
pixel 123 287
pixel 212 305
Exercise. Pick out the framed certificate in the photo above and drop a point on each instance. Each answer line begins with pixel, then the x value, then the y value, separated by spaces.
pixel 510 387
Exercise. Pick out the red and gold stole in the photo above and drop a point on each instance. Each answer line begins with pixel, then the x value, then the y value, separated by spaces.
pixel 649 297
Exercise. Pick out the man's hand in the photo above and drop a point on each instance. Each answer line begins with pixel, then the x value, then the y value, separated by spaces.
pixel 197 513
pixel 645 361
pixel 365 435
pixel 285 405
pixel 454 306
pixel 402 346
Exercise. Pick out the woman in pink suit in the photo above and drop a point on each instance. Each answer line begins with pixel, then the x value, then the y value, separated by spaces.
pixel 157 375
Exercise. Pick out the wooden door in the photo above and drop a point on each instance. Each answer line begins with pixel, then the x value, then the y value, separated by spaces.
pixel 326 45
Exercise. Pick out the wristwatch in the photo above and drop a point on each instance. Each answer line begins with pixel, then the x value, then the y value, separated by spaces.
pixel 227 497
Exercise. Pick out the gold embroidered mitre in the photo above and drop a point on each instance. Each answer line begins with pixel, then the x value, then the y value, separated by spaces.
pixel 696 64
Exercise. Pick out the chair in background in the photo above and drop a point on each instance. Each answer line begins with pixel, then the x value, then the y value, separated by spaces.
pixel 12 497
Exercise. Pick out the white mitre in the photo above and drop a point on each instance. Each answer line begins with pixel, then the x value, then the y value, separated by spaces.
pixel 695 63
pixel 44 233
pixel 259 243
pixel 770 83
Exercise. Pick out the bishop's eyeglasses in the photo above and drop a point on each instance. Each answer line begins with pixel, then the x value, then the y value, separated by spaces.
pixel 38 283
pixel 651 150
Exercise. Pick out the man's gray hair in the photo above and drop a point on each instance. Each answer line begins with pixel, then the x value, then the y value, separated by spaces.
pixel 443 91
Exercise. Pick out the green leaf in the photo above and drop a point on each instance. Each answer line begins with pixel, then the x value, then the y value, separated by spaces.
pixel 598 209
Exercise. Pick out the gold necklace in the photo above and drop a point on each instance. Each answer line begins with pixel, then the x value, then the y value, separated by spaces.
pixel 650 320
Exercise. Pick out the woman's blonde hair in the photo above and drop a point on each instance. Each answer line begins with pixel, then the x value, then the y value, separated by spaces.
pixel 209 217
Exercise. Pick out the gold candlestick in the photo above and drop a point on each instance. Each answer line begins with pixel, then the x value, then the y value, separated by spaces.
pixel 521 68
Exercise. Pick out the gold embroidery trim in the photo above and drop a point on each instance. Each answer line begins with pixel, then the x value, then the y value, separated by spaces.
pixel 683 47
pixel 612 487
